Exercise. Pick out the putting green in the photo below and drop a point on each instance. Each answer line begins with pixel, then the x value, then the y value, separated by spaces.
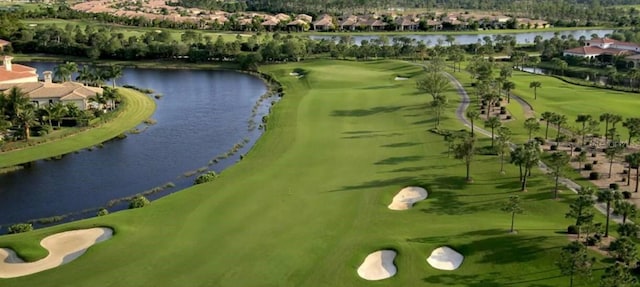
pixel 309 202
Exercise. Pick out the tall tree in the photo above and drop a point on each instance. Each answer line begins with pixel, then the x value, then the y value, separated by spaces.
pixel 535 85
pixel 465 151
pixel 625 209
pixel 618 275
pixel 547 117
pixel 612 153
pixel 584 119
pixel 472 115
pixel 558 162
pixel 512 205
pixel 433 83
pixel 508 86
pixel 532 125
pixel 608 196
pixel 633 126
pixel 559 121
pixel 624 249
pixel 493 123
pixel 504 136
pixel 526 157
pixel 606 118
pixel 633 160
pixel 574 260
pixel 114 72
pixel 26 119
pixel 581 209
pixel 438 105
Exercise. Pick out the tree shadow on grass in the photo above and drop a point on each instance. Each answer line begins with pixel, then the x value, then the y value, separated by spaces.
pixel 405 181
pixel 443 202
pixel 479 280
pixel 361 136
pixel 381 87
pixel 402 144
pixel 365 112
pixel 399 159
pixel 409 169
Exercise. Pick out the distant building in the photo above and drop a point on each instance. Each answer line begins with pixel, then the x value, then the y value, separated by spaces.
pixel 603 46
pixel 3 44
pixel 14 73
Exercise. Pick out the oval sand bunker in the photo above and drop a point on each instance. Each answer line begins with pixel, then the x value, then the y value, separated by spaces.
pixel 445 258
pixel 63 248
pixel 407 197
pixel 378 265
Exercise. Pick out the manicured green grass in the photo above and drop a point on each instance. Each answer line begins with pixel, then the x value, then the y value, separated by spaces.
pixel 309 202
pixel 136 108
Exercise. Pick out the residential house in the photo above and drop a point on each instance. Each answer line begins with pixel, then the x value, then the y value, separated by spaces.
pixel 270 23
pixel 282 17
pixel 324 23
pixel 298 25
pixel 14 73
pixel 526 23
pixel 47 92
pixel 407 23
pixel 349 23
pixel 304 17
pixel 376 24
pixel 603 46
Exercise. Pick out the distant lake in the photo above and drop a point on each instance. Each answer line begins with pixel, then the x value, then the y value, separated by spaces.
pixel 466 39
pixel 201 114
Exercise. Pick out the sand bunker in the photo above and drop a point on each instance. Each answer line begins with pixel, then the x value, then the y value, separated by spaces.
pixel 378 265
pixel 294 74
pixel 407 197
pixel 401 79
pixel 445 258
pixel 63 248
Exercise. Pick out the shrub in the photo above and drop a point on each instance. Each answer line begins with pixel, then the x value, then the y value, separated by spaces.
pixel 508 117
pixel 577 149
pixel 574 140
pixel 593 154
pixel 102 212
pixel 138 201
pixel 588 166
pixel 614 186
pixel 482 112
pixel 497 104
pixel 625 171
pixel 593 240
pixel 595 162
pixel 20 228
pixel 554 147
pixel 594 175
pixel 503 112
pixel 540 140
pixel 626 194
pixel 503 108
pixel 206 177
pixel 572 229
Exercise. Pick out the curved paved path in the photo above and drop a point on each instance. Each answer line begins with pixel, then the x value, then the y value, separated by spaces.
pixel 460 114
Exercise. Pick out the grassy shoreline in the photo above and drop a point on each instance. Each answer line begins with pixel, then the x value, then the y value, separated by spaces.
pixel 466 32
pixel 141 64
pixel 136 108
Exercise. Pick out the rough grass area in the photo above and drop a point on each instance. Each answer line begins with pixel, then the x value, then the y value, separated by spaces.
pixel 136 107
pixel 309 202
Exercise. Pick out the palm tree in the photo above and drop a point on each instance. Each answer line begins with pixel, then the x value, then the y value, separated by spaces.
pixel 532 125
pixel 584 119
pixel 493 123
pixel 547 117
pixel 114 72
pixel 472 115
pixel 512 206
pixel 465 151
pixel 633 125
pixel 611 153
pixel 559 121
pixel 508 86
pixel 634 162
pixel 57 112
pixel 85 75
pixel 607 196
pixel 26 118
pixel 535 85
pixel 504 135
pixel 606 118
pixel 15 100
pixel 517 157
pixel 64 71
pixel 625 209
pixel 526 156
pixel 614 120
pixel 558 162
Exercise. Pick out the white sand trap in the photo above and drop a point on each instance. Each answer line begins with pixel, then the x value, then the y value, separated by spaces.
pixel 294 74
pixel 445 258
pixel 63 248
pixel 401 79
pixel 407 197
pixel 378 265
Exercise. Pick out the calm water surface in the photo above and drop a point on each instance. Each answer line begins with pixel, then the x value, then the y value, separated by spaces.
pixel 202 114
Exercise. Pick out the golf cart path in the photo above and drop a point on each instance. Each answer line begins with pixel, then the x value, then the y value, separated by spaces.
pixel 460 114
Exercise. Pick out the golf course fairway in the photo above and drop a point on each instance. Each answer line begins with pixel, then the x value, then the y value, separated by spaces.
pixel 309 202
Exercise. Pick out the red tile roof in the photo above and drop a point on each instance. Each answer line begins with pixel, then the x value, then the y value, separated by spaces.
pixel 4 43
pixel 585 50
pixel 17 72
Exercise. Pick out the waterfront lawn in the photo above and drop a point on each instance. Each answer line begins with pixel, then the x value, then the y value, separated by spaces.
pixel 136 107
pixel 309 202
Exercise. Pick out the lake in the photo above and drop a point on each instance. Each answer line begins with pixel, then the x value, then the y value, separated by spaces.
pixel 466 39
pixel 202 114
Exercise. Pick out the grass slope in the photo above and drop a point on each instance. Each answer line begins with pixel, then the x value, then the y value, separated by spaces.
pixel 309 202
pixel 136 108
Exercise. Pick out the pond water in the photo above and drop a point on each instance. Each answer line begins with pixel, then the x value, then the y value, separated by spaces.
pixel 466 39
pixel 202 114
